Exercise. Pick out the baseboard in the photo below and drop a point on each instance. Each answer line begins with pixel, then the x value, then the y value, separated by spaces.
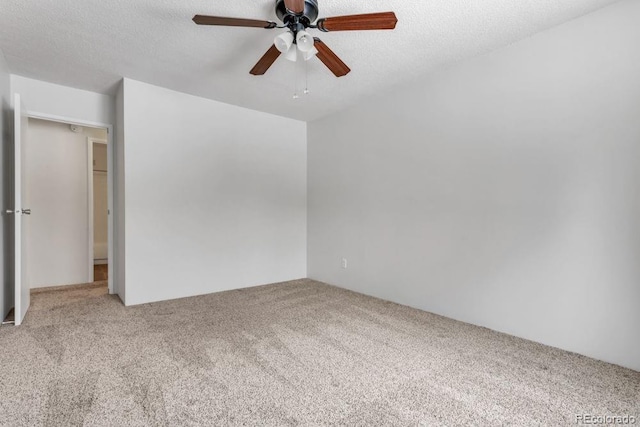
pixel 100 261
pixel 68 287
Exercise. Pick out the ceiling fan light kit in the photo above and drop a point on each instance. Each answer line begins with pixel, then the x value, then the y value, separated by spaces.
pixel 310 54
pixel 297 17
pixel 304 41
pixel 291 54
pixel 288 45
pixel 284 41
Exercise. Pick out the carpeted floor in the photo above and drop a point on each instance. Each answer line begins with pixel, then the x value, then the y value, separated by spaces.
pixel 295 353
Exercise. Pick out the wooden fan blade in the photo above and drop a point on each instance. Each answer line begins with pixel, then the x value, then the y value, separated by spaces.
pixel 295 6
pixel 330 59
pixel 369 21
pixel 266 61
pixel 232 22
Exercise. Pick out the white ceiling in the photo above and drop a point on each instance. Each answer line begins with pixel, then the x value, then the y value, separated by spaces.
pixel 91 44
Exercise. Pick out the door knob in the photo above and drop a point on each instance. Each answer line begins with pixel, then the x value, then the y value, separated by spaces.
pixel 9 212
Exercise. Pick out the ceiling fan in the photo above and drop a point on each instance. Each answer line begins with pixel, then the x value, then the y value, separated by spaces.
pixel 297 16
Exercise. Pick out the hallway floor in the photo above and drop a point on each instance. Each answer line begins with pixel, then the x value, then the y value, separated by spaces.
pixel 100 272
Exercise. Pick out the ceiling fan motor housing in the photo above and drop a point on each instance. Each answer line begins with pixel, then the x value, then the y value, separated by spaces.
pixel 307 17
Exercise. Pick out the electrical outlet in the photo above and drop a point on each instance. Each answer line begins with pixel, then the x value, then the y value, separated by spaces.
pixel 344 263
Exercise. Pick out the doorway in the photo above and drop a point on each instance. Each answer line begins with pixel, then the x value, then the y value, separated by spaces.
pixel 67 178
pixel 98 209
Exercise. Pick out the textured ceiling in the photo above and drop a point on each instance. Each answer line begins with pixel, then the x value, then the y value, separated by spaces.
pixel 91 44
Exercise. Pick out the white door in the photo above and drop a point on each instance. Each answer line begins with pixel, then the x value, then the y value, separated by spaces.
pixel 21 212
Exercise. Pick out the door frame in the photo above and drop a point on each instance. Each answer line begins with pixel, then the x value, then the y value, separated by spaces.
pixel 110 186
pixel 90 141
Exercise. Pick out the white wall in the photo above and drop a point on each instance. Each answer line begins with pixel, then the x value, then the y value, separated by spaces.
pixel 119 249
pixel 503 191
pixel 6 281
pixel 53 99
pixel 57 184
pixel 215 195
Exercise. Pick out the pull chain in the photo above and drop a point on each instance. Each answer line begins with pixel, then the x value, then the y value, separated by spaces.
pixel 306 78
pixel 297 71
pixel 295 74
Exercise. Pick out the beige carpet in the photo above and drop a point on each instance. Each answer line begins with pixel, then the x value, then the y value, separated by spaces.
pixel 296 353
